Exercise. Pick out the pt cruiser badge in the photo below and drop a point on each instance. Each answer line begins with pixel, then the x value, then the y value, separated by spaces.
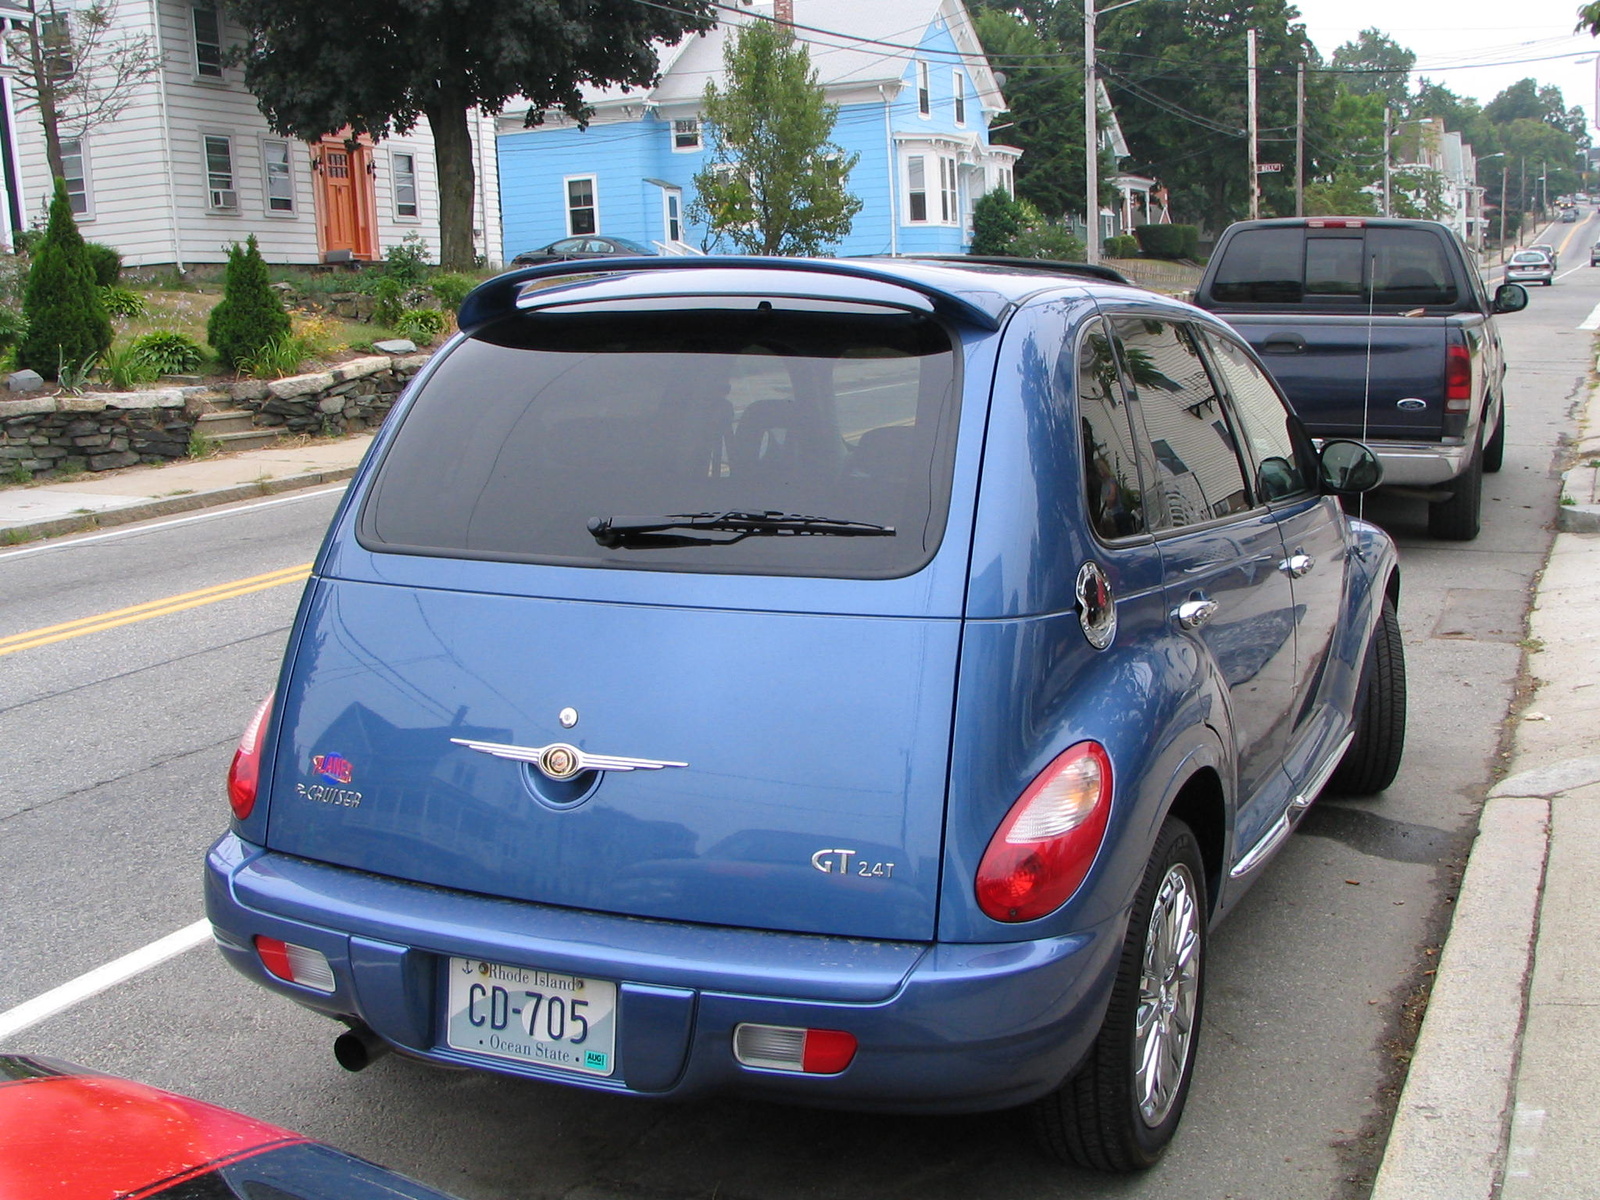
pixel 560 761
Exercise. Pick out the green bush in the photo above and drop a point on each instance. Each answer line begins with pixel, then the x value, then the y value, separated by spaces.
pixel 1122 246
pixel 250 316
pixel 1168 241
pixel 13 328
pixel 390 294
pixel 997 219
pixel 105 262
pixel 26 241
pixel 170 353
pixel 421 325
pixel 124 367
pixel 283 355
pixel 451 289
pixel 120 302
pixel 1048 240
pixel 408 262
pixel 66 321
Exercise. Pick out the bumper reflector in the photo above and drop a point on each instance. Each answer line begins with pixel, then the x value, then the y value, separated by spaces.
pixel 297 964
pixel 784 1048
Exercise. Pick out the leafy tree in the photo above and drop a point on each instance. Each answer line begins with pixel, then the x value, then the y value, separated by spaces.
pixel 67 326
pixel 1376 64
pixel 249 315
pixel 77 68
pixel 774 183
pixel 997 219
pixel 319 66
pixel 1347 193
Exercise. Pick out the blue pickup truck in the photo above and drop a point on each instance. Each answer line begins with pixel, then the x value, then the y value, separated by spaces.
pixel 1381 330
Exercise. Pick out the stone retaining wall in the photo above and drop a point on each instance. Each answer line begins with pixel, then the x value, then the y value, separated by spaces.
pixel 48 436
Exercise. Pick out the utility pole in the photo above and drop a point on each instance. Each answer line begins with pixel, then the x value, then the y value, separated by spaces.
pixel 1300 139
pixel 1250 87
pixel 1505 171
pixel 1386 172
pixel 1091 142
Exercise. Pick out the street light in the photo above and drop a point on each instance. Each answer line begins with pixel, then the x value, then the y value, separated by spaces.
pixel 1504 168
pixel 1091 130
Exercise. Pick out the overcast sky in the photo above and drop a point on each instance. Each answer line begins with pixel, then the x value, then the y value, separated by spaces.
pixel 1456 41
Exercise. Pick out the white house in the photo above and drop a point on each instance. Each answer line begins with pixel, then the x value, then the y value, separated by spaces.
pixel 189 166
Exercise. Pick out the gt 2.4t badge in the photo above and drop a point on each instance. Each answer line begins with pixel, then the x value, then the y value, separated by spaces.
pixel 845 862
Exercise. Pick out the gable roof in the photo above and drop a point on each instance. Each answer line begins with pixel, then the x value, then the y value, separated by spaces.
pixel 854 45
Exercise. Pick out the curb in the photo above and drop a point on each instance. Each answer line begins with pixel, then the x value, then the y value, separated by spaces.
pixel 83 523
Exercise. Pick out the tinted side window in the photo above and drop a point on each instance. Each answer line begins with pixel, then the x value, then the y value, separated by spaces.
pixel 1409 267
pixel 1197 465
pixel 1268 426
pixel 1110 467
pixel 1333 266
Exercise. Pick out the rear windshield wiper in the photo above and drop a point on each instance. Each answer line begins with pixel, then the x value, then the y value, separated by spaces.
pixel 722 528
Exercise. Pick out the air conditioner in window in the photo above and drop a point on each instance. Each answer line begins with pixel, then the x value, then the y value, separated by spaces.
pixel 224 198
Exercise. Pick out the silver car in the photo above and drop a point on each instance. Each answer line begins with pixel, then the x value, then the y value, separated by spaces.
pixel 1530 266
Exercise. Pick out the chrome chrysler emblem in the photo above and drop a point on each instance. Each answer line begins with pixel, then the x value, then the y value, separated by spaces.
pixel 561 761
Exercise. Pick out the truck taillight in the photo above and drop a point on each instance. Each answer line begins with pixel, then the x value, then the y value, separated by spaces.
pixel 1457 379
pixel 245 773
pixel 1046 844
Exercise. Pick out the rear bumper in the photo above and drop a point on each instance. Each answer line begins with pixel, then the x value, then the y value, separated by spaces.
pixel 1421 464
pixel 941 1028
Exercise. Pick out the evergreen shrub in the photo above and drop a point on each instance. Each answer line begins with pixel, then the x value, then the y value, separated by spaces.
pixel 106 263
pixel 250 316
pixel 1124 245
pixel 997 219
pixel 1168 241
pixel 67 324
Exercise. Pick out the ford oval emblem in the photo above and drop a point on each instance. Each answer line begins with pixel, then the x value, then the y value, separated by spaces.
pixel 1411 404
pixel 1097 607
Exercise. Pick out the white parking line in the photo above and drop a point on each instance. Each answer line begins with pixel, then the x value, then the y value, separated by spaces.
pixel 1574 271
pixel 1592 321
pixel 59 999
pixel 8 555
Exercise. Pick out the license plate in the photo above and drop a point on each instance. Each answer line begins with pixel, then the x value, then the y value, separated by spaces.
pixel 532 1016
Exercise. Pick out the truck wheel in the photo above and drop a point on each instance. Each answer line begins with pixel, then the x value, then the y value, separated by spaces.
pixel 1373 760
pixel 1122 1107
pixel 1457 519
pixel 1494 452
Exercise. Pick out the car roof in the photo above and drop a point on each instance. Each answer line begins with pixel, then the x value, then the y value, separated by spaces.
pixel 974 293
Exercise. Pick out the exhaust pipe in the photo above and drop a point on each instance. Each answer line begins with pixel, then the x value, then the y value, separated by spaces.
pixel 357 1048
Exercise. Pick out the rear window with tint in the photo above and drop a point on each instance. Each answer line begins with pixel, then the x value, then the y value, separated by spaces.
pixel 542 423
pixel 1383 266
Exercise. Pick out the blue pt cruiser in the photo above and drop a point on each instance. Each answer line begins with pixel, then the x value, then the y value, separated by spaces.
pixel 854 683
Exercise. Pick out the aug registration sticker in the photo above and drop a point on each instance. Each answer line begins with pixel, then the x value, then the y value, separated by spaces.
pixel 532 1016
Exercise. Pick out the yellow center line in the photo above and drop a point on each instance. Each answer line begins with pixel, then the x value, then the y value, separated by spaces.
pixel 152 608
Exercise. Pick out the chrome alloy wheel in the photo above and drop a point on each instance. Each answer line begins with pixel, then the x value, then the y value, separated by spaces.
pixel 1169 992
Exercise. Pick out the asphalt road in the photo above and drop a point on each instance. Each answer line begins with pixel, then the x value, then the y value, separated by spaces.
pixel 114 744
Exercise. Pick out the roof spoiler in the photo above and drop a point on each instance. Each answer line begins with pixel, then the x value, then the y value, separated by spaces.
pixel 497 298
pixel 1045 266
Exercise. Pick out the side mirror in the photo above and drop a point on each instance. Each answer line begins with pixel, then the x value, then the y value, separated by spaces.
pixel 1510 297
pixel 1348 468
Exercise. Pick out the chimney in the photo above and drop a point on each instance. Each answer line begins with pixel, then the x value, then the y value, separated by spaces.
pixel 783 12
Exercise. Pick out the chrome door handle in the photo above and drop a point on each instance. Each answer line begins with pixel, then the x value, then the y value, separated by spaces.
pixel 1194 613
pixel 1298 564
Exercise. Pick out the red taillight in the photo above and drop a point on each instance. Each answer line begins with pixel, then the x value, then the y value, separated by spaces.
pixel 1044 847
pixel 245 772
pixel 788 1048
pixel 298 964
pixel 1457 379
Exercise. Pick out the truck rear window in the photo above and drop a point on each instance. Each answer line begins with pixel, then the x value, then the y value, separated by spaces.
pixel 1401 267
pixel 540 425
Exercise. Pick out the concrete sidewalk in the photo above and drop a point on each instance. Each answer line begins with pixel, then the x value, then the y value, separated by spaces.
pixel 138 493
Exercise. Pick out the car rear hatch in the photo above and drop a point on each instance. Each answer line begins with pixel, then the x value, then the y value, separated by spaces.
pixel 706 710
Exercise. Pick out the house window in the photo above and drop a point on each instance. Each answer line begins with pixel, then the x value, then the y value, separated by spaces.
pixel 958 84
pixel 219 173
pixel 55 46
pixel 582 213
pixel 279 176
pixel 949 209
pixel 405 185
pixel 207 43
pixel 916 188
pixel 924 95
pixel 75 170
pixel 672 213
pixel 686 134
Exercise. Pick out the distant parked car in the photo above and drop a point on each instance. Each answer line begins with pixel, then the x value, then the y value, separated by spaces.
pixel 1594 255
pixel 572 248
pixel 71 1134
pixel 1546 249
pixel 1569 216
pixel 1530 266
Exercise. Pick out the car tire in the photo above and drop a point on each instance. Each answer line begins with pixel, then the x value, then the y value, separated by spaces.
pixel 1459 518
pixel 1494 451
pixel 1372 760
pixel 1120 1109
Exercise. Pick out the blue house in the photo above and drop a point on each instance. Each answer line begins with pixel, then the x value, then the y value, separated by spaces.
pixel 915 95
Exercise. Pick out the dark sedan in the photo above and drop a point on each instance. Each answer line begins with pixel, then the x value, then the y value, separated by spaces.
pixel 588 246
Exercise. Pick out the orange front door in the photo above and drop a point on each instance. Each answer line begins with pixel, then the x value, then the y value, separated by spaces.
pixel 345 199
